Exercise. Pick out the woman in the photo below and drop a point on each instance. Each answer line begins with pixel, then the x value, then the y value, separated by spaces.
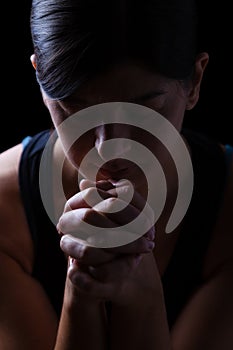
pixel 158 291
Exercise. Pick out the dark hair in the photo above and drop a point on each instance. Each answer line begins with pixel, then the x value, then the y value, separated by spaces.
pixel 74 40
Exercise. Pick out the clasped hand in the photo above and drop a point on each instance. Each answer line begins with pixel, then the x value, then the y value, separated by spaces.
pixel 103 273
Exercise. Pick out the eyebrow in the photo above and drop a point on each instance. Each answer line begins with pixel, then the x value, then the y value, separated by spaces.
pixel 144 97
pixel 148 96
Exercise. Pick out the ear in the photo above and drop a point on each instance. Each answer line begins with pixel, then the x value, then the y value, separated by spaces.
pixel 44 97
pixel 33 60
pixel 201 62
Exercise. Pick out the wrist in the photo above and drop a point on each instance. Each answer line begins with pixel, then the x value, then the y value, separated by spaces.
pixel 75 299
pixel 134 293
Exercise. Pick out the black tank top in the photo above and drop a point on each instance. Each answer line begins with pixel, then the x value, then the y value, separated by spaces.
pixel 183 274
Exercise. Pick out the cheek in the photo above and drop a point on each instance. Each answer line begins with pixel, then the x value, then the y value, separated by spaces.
pixel 74 145
pixel 80 148
pixel 174 111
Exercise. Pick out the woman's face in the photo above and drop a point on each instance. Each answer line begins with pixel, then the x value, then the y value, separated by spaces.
pixel 124 83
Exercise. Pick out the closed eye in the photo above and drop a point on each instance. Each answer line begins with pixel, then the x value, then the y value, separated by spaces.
pixel 75 102
pixel 147 97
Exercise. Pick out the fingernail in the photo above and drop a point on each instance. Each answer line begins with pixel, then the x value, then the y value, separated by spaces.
pixel 67 239
pixel 151 245
pixel 151 234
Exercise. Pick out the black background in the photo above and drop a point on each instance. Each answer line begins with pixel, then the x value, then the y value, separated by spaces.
pixel 22 109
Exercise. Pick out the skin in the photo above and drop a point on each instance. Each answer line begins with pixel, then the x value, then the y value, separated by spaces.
pixel 96 275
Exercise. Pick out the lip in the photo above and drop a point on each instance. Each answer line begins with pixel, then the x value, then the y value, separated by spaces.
pixel 116 174
pixel 115 166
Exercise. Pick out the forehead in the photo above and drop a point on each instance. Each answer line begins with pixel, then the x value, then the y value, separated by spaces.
pixel 123 81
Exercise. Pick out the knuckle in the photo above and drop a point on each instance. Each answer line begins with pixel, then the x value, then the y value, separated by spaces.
pixel 71 202
pixel 124 192
pixel 90 196
pixel 111 200
pixel 89 193
pixel 88 215
pixel 68 206
pixel 61 226
pixel 144 245
pixel 113 204
pixel 80 281
pixel 83 252
pixel 85 284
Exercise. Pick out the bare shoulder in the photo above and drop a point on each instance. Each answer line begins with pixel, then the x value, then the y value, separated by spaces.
pixel 9 162
pixel 14 234
pixel 220 250
pixel 212 302
pixel 27 318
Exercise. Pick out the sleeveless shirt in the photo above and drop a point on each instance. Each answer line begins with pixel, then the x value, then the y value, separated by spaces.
pixel 183 274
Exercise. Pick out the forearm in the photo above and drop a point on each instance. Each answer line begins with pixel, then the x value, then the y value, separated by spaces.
pixel 140 325
pixel 82 325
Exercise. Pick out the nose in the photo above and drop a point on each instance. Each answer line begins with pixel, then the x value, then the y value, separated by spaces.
pixel 120 141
